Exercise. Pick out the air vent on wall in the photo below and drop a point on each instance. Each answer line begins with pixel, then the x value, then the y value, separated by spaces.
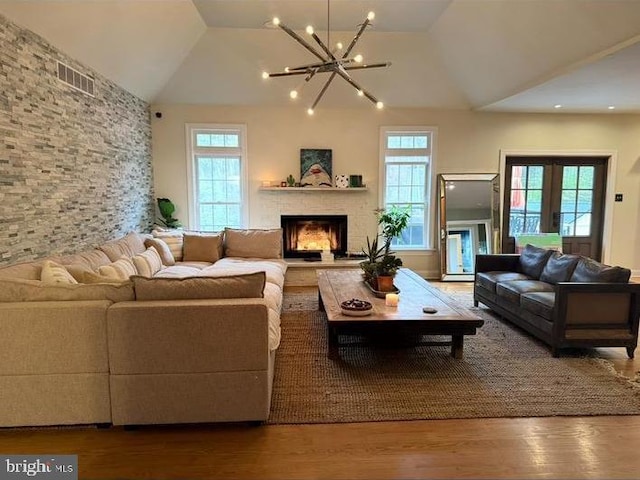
pixel 75 79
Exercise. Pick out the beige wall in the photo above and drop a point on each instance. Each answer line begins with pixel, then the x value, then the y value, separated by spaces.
pixel 467 142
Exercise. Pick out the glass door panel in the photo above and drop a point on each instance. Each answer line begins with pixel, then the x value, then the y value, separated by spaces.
pixel 562 195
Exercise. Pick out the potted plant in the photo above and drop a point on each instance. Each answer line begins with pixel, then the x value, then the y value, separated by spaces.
pixel 374 254
pixel 381 264
pixel 167 209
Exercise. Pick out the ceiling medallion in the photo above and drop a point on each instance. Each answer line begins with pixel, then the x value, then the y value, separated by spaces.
pixel 334 61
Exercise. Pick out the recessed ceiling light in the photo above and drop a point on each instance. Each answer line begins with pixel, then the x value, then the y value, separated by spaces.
pixel 557 106
pixel 611 107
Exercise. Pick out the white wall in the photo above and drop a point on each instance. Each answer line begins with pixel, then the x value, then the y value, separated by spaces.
pixel 467 142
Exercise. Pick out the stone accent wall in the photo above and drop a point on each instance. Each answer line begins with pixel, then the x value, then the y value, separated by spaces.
pixel 75 170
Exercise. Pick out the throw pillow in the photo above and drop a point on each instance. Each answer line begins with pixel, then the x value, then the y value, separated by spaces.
pixel 559 268
pixel 92 277
pixel 253 243
pixel 533 259
pixel 174 240
pixel 54 273
pixel 163 250
pixel 148 263
pixel 121 269
pixel 202 247
pixel 235 286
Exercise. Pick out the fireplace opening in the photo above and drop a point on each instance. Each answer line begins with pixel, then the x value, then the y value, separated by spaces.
pixel 305 236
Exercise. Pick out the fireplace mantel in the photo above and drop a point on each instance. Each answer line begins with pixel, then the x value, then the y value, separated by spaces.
pixel 314 189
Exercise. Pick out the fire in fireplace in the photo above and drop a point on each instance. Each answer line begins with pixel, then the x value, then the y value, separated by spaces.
pixel 304 236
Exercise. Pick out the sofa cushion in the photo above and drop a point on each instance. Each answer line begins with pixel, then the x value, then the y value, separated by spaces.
pixel 539 303
pixel 24 271
pixel 202 247
pixel 488 280
pixel 588 270
pixel 174 239
pixel 92 277
pixel 91 259
pixel 274 268
pixel 178 271
pixel 121 269
pixel 148 263
pixel 163 250
pixel 54 273
pixel 533 259
pixel 512 290
pixel 253 243
pixel 128 246
pixel 236 286
pixel 36 291
pixel 559 267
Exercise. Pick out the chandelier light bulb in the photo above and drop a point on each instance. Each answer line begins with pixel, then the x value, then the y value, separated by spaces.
pixel 293 94
pixel 371 16
pixel 275 21
pixel 286 69
pixel 358 58
pixel 379 105
pixel 360 93
pixel 310 111
pixel 339 45
pixel 309 29
pixel 265 75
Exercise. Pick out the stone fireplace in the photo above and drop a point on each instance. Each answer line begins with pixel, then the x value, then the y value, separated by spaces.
pixel 305 236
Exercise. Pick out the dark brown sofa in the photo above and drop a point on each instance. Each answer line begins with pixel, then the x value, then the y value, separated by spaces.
pixel 564 300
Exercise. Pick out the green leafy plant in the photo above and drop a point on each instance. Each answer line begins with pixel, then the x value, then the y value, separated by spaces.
pixel 373 254
pixel 291 181
pixel 167 209
pixel 392 221
pixel 381 261
pixel 388 265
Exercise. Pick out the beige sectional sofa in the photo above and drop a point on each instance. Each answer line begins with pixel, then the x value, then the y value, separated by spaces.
pixel 193 342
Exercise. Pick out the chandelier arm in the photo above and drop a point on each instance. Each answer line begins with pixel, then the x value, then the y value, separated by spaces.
pixel 355 85
pixel 355 39
pixel 311 75
pixel 324 89
pixel 287 74
pixel 370 65
pixel 323 46
pixel 301 41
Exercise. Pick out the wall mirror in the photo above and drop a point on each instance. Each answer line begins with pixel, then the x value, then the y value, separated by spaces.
pixel 469 221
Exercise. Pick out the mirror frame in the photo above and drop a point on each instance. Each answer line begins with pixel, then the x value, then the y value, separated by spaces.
pixel 493 235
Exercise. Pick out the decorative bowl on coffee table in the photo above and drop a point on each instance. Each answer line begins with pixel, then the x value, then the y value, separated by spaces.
pixel 356 307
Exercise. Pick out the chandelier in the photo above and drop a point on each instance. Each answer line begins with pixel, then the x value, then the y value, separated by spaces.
pixel 336 62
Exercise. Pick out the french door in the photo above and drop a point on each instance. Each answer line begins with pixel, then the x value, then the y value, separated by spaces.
pixel 563 195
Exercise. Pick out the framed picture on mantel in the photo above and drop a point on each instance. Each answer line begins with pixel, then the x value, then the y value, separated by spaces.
pixel 315 167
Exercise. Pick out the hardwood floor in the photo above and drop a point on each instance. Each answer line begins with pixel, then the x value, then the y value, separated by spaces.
pixel 552 447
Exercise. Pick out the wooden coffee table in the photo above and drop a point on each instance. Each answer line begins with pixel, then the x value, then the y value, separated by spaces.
pixel 336 286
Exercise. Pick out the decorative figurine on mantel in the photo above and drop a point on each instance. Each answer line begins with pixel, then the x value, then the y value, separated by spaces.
pixel 291 182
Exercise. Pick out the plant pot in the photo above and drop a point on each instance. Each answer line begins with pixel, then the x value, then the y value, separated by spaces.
pixel 385 283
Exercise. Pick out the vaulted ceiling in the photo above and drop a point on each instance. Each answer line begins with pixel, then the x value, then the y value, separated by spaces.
pixel 495 55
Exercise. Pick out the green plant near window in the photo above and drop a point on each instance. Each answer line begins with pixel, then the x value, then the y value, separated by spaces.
pixel 392 221
pixel 381 261
pixel 167 209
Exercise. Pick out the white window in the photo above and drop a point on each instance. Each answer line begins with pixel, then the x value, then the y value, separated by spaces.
pixel 217 169
pixel 405 171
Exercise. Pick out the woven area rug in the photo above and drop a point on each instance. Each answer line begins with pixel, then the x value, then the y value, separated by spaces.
pixel 504 373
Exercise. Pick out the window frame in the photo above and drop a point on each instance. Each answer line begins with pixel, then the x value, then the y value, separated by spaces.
pixel 191 130
pixel 429 203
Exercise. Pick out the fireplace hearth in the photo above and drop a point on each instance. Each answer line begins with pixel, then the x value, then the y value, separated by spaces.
pixel 305 236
